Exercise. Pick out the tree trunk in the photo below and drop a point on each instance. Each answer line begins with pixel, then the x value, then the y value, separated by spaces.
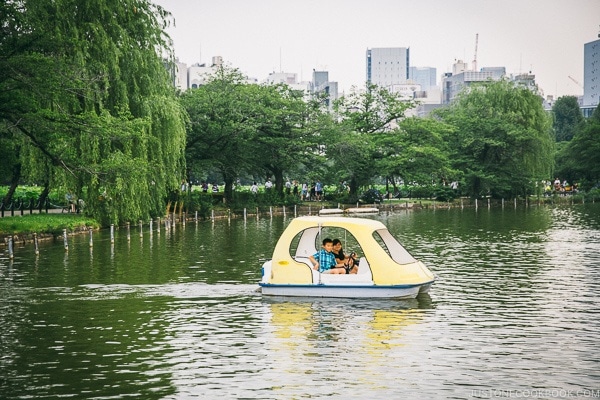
pixel 353 187
pixel 44 195
pixel 278 174
pixel 228 191
pixel 13 185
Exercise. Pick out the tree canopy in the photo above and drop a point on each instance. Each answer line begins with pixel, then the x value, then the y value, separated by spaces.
pixel 502 141
pixel 567 118
pixel 88 104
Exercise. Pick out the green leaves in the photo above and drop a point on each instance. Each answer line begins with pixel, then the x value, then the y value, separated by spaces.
pixel 87 91
pixel 503 141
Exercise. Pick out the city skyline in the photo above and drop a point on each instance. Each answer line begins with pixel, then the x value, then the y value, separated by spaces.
pixel 264 36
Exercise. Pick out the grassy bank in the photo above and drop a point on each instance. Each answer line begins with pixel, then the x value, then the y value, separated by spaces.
pixel 44 223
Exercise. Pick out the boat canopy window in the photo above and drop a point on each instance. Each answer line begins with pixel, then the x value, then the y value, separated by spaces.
pixel 307 242
pixel 394 249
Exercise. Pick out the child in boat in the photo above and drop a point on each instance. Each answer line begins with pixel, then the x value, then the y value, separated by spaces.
pixel 324 261
pixel 349 262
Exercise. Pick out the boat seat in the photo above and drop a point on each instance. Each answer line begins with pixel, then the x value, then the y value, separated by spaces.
pixel 364 269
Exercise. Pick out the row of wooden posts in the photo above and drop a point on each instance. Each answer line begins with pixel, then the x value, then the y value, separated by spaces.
pixel 169 223
pixel 171 220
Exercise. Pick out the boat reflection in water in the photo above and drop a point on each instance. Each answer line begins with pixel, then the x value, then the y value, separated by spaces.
pixel 304 335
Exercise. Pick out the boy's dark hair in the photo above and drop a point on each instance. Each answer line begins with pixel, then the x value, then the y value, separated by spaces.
pixel 327 240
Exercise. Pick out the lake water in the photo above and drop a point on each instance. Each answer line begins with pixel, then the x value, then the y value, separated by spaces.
pixel 175 315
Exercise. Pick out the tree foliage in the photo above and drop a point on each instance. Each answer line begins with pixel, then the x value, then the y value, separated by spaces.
pixel 89 104
pixel 363 115
pixel 502 141
pixel 415 151
pixel 241 128
pixel 579 159
pixel 567 118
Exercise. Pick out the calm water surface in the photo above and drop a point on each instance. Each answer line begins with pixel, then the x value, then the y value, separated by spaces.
pixel 175 315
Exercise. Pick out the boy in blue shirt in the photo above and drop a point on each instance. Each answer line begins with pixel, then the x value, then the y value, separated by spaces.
pixel 324 261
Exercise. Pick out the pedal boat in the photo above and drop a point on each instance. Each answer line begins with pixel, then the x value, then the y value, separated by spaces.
pixel 387 271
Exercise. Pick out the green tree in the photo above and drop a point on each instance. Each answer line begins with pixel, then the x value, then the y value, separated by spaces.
pixel 502 141
pixel 87 91
pixel 567 118
pixel 415 151
pixel 579 160
pixel 223 117
pixel 363 114
pixel 290 131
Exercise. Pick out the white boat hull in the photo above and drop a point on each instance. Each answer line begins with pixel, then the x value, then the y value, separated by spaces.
pixel 343 291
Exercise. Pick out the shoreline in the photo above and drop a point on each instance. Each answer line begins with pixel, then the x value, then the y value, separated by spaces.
pixel 305 209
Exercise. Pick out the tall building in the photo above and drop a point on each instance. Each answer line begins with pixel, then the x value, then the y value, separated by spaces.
pixel 591 73
pixel 321 84
pixel 424 76
pixel 388 66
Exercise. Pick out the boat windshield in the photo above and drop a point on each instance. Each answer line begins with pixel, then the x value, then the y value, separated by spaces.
pixel 394 249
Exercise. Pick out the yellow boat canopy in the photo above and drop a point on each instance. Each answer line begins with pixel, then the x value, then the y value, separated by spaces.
pixel 388 260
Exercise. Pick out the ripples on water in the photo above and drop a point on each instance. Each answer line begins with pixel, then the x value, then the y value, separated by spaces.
pixel 177 316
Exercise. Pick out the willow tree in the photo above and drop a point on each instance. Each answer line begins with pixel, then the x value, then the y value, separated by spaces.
pixel 91 97
pixel 502 142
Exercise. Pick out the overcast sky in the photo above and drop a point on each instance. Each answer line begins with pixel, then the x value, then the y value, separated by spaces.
pixel 545 37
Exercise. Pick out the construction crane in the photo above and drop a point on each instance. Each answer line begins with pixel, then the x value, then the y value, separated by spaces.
pixel 576 81
pixel 475 56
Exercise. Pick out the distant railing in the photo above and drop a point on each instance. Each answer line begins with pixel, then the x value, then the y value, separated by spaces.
pixel 21 206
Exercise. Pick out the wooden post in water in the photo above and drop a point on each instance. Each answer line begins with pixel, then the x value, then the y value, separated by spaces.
pixel 503 203
pixel 66 242
pixel 35 244
pixel 462 206
pixel 128 231
pixel 295 210
pixel 476 205
pixel 271 211
pixel 196 216
pixel 10 247
pixel 283 211
pixel 212 215
pixel 488 203
pixel 244 213
pixel 91 239
pixel 112 233
pixel 141 232
pixel 150 226
pixel 515 203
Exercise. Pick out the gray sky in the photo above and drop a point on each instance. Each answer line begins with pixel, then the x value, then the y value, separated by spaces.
pixel 545 37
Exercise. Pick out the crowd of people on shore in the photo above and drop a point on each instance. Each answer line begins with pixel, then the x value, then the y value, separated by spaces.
pixel 305 191
pixel 557 187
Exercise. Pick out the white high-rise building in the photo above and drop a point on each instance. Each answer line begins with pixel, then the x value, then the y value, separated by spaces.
pixel 181 76
pixel 591 73
pixel 388 66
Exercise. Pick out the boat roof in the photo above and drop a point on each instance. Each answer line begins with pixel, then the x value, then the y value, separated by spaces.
pixel 342 222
